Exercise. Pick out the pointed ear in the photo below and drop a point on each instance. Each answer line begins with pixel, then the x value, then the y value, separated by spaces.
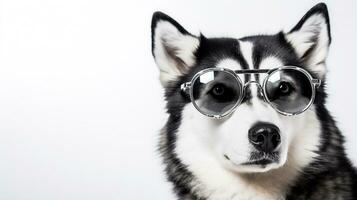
pixel 311 38
pixel 172 47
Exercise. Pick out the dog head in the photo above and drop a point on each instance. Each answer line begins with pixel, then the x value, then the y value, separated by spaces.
pixel 201 142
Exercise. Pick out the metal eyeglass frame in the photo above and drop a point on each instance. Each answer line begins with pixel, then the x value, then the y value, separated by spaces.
pixel 315 83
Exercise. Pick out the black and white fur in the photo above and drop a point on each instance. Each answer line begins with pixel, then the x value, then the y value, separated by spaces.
pixel 312 160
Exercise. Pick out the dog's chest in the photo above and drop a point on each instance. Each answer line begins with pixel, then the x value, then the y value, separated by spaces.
pixel 239 190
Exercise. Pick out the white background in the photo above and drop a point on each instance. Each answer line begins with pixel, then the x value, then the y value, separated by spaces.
pixel 80 101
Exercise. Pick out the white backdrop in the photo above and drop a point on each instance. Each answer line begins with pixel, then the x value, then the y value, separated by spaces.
pixel 80 101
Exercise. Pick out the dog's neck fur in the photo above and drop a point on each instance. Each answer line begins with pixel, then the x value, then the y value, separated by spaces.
pixel 259 186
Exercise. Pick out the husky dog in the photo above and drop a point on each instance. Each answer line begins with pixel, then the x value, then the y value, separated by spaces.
pixel 247 117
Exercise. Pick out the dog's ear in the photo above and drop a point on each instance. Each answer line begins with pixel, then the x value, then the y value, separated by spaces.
pixel 172 47
pixel 311 38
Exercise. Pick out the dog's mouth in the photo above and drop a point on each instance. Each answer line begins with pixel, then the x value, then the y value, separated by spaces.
pixel 263 162
pixel 258 162
pixel 259 157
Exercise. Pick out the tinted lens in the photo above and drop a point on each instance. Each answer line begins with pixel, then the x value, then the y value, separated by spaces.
pixel 216 92
pixel 289 90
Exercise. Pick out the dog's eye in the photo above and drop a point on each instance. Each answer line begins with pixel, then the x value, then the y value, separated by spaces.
pixel 218 90
pixel 221 93
pixel 285 88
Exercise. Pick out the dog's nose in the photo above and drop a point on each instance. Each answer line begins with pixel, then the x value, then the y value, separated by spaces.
pixel 264 136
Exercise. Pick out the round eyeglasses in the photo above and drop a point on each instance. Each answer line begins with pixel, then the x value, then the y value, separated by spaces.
pixel 217 92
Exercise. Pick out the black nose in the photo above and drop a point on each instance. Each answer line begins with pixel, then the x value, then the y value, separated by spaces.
pixel 264 136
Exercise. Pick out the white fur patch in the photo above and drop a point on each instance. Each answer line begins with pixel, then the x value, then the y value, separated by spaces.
pixel 270 62
pixel 229 63
pixel 246 48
